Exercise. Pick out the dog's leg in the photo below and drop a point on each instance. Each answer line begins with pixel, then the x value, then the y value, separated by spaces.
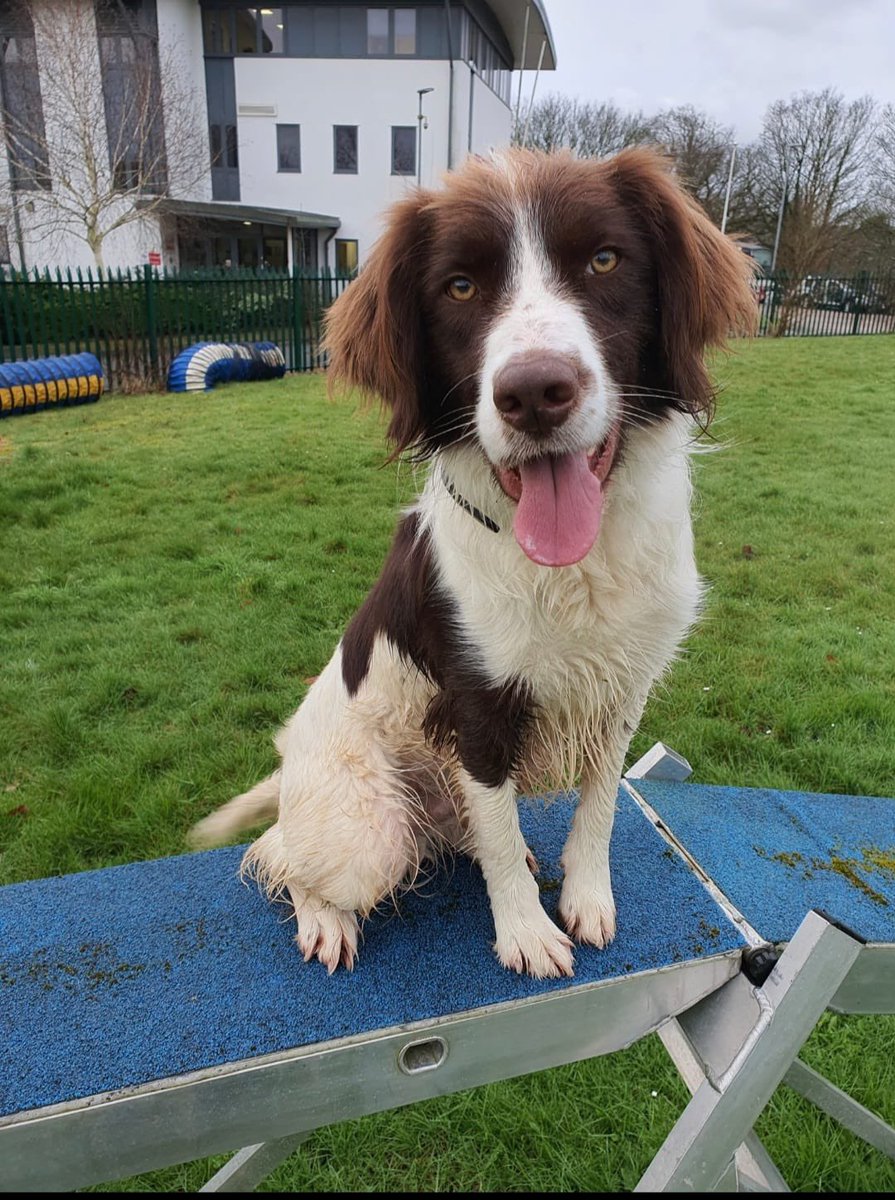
pixel 586 905
pixel 240 813
pixel 527 940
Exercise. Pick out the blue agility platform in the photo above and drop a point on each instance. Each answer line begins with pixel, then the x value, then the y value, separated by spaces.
pixel 775 855
pixel 160 1012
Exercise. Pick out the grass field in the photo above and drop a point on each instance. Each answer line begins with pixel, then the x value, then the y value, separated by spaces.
pixel 174 568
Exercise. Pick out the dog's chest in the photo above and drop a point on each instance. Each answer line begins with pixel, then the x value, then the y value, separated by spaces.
pixel 573 637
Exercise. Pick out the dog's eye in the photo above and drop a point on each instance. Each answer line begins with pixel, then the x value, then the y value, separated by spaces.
pixel 603 262
pixel 461 288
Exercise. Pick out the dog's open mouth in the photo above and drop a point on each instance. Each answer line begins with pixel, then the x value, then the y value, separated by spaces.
pixel 559 501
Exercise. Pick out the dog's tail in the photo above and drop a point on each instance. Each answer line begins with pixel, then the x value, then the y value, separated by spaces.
pixel 240 813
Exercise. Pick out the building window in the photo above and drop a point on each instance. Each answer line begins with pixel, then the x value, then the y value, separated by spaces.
pixel 405 30
pixel 21 102
pixel 216 145
pixel 346 256
pixel 217 28
pixel 271 30
pixel 246 30
pixel 240 30
pixel 288 147
pixel 232 146
pixel 132 95
pixel 403 150
pixel 345 149
pixel 377 31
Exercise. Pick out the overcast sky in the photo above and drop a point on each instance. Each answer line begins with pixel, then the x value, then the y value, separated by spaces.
pixel 731 58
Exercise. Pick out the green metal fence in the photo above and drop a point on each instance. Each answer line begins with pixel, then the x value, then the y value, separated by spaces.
pixel 137 321
pixel 825 305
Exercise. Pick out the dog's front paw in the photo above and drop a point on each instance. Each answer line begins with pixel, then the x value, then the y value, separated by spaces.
pixel 530 943
pixel 588 913
pixel 324 931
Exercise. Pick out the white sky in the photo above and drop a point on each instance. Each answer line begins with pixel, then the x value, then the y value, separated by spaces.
pixel 731 58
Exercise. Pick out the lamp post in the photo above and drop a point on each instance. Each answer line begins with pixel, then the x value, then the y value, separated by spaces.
pixel 791 149
pixel 779 221
pixel 419 138
pixel 733 156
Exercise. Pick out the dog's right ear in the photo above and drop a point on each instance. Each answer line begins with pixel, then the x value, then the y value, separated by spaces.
pixel 375 334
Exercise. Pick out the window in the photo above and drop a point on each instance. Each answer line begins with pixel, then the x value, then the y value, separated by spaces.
pixel 345 149
pixel 271 31
pixel 377 31
pixel 23 118
pixel 405 30
pixel 346 256
pixel 288 147
pixel 217 26
pixel 403 150
pixel 232 146
pixel 246 31
pixel 215 145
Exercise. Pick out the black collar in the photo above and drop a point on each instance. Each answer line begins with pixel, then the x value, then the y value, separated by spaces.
pixel 470 508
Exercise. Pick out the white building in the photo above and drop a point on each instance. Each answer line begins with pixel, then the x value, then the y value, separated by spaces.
pixel 313 115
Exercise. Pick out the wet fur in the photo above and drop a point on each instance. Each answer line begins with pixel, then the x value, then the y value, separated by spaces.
pixel 471 673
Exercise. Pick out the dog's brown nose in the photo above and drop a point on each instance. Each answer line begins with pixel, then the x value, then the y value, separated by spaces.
pixel 536 393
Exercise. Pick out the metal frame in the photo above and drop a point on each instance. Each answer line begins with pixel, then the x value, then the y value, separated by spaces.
pixel 734 1048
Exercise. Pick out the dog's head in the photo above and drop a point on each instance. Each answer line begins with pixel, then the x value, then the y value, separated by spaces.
pixel 547 307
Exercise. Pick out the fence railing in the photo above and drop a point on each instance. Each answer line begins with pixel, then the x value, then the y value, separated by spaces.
pixel 825 305
pixel 135 322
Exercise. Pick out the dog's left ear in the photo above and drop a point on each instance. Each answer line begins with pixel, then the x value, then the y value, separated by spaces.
pixel 375 333
pixel 703 279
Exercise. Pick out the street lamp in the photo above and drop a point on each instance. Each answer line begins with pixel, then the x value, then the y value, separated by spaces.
pixel 779 220
pixel 733 156
pixel 419 137
pixel 790 148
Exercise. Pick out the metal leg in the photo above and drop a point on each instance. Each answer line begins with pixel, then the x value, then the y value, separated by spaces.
pixel 841 1107
pixel 747 1038
pixel 755 1169
pixel 249 1166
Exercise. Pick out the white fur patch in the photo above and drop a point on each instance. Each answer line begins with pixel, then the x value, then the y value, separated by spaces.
pixel 540 319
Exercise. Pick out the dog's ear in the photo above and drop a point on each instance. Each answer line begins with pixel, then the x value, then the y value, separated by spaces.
pixel 702 277
pixel 375 333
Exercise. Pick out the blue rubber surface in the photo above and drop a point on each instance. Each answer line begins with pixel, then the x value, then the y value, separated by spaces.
pixel 135 973
pixel 776 855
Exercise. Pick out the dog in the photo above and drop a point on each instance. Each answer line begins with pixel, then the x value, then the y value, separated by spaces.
pixel 536 330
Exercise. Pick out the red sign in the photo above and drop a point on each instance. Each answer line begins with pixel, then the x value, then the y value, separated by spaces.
pixel 155 258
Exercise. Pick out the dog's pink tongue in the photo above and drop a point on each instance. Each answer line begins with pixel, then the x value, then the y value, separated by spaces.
pixel 558 515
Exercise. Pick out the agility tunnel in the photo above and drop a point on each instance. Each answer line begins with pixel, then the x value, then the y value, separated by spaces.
pixel 47 382
pixel 200 367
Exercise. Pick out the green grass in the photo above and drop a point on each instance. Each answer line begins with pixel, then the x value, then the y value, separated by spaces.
pixel 174 568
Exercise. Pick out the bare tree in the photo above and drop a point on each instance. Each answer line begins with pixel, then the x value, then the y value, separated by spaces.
pixel 884 158
pixel 814 154
pixel 110 131
pixel 588 129
pixel 701 150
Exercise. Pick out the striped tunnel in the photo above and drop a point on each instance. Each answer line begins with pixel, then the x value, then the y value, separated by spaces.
pixel 48 382
pixel 200 367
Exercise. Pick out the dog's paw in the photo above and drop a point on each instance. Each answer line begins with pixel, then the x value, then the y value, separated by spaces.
pixel 531 944
pixel 588 913
pixel 324 931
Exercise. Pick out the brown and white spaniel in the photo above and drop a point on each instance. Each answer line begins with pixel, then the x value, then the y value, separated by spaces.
pixel 536 329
